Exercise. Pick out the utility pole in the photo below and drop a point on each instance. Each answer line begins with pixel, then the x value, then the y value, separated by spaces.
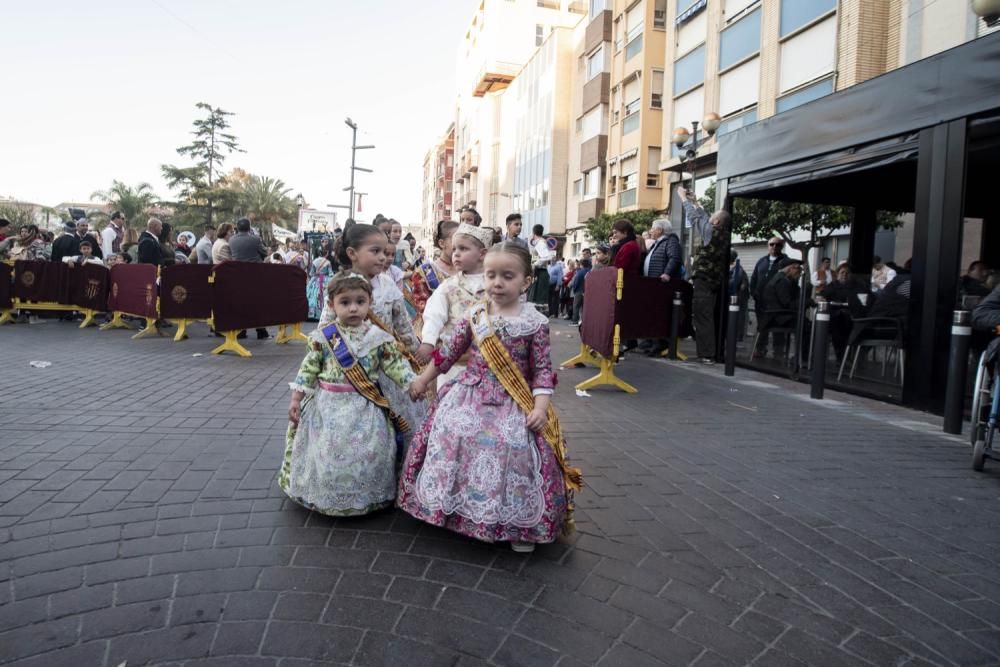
pixel 354 149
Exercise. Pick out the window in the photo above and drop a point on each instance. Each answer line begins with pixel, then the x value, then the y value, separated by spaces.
pixel 539 34
pixel 653 167
pixel 596 7
pixel 808 55
pixel 612 182
pixel 732 8
pixel 548 4
pixel 633 97
pixel 687 9
pixel 737 121
pixel 596 62
pixel 594 123
pixel 797 13
pixel 738 88
pixel 633 31
pixel 807 94
pixel 615 104
pixel 689 71
pixel 688 108
pixel 660 14
pixel 619 33
pixel 656 89
pixel 739 40
pixel 592 184
pixel 578 187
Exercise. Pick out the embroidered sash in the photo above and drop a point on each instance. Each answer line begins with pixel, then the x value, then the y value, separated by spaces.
pixel 509 374
pixel 359 379
pixel 403 349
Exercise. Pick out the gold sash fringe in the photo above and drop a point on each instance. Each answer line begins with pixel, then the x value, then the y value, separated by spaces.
pixel 407 354
pixel 362 383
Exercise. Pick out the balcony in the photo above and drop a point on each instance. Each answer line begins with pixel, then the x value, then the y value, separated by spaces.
pixel 598 30
pixel 593 152
pixel 590 208
pixel 495 75
pixel 627 198
pixel 596 91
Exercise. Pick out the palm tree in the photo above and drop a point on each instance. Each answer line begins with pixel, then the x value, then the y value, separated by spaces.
pixel 267 198
pixel 133 202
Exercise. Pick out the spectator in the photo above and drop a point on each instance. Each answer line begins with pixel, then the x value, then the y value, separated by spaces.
pixel 845 304
pixel 541 254
pixel 203 249
pixel 739 285
pixel 149 249
pixel 663 260
pixel 577 287
pixel 113 235
pixel 556 271
pixel 602 256
pixel 882 275
pixel 986 315
pixel 28 245
pixel 471 216
pixel 185 246
pixel 514 225
pixel 626 254
pixel 763 271
pixel 221 251
pixel 86 255
pixel 83 232
pixel 973 283
pixel 169 258
pixel 4 229
pixel 822 276
pixel 781 294
pixel 67 244
pixel 244 245
pixel 708 271
pixel 566 294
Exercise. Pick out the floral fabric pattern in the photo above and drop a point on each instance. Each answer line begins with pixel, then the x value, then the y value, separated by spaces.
pixel 475 467
pixel 341 458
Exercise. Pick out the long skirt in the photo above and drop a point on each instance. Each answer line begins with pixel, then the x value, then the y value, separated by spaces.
pixel 316 295
pixel 538 294
pixel 478 470
pixel 341 460
pixel 415 412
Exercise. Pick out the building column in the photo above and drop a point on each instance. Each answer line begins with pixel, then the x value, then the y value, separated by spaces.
pixel 862 241
pixel 937 246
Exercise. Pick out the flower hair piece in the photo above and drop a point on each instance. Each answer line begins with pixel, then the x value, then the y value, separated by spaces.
pixel 482 234
pixel 352 274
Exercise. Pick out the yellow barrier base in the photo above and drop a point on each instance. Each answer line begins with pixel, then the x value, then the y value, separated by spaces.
pixel 6 317
pixel 181 329
pixel 116 322
pixel 88 314
pixel 284 336
pixel 607 377
pixel 88 318
pixel 150 330
pixel 585 357
pixel 680 355
pixel 231 344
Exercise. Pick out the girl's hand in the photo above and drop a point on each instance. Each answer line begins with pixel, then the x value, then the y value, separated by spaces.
pixel 417 389
pixel 537 419
pixel 294 411
pixel 424 353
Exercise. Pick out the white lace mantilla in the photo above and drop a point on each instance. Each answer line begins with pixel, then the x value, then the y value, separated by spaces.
pixel 526 323
pixel 384 293
pixel 361 340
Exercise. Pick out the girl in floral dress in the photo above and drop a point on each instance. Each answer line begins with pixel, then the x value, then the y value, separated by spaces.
pixel 489 461
pixel 362 247
pixel 340 451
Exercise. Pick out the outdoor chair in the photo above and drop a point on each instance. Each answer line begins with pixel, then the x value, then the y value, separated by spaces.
pixel 765 329
pixel 874 333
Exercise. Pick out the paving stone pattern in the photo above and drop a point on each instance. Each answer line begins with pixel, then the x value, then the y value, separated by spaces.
pixel 722 524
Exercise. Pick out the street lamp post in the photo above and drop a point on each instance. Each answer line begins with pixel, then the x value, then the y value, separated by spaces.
pixel 988 10
pixel 354 149
pixel 710 123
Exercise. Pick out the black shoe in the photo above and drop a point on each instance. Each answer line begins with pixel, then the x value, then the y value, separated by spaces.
pixel 655 352
pixel 241 335
pixel 262 334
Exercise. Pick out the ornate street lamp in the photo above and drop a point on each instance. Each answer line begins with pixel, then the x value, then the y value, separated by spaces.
pixel 710 123
pixel 988 10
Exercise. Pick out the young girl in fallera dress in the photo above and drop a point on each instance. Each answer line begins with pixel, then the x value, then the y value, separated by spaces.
pixel 340 453
pixel 362 247
pixel 451 301
pixel 429 275
pixel 490 460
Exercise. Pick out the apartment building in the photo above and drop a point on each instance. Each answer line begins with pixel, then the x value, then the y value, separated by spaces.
pixel 502 37
pixel 638 39
pixel 439 174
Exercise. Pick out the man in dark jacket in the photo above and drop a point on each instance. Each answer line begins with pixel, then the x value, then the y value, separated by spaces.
pixel 150 251
pixel 245 246
pixel 764 270
pixel 67 245
pixel 781 294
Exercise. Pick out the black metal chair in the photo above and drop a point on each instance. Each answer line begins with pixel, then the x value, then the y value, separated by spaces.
pixel 769 330
pixel 873 333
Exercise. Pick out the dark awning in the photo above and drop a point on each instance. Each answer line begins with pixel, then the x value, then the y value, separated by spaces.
pixel 963 81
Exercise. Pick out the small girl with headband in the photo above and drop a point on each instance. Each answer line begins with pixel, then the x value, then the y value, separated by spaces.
pixel 340 450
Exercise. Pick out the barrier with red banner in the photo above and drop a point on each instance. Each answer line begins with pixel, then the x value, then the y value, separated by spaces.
pixel 89 285
pixel 619 307
pixel 42 281
pixel 133 290
pixel 186 292
pixel 6 286
pixel 246 295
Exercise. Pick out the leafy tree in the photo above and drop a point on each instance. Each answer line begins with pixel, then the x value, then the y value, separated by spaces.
pixel 18 214
pixel 133 202
pixel 267 199
pixel 197 185
pixel 761 219
pixel 599 228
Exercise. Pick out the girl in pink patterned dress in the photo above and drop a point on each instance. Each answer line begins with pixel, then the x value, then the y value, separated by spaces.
pixel 480 466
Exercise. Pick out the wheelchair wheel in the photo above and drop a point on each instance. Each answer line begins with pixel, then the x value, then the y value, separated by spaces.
pixel 979 455
pixel 977 423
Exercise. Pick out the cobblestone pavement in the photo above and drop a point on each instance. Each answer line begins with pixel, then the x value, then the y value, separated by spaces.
pixel 724 523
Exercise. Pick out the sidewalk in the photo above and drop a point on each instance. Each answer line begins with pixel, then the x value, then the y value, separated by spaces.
pixel 725 521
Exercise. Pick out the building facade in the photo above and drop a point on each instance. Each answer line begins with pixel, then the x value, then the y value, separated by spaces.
pixel 439 174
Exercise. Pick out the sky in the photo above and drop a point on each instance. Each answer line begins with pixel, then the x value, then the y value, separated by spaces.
pixel 106 89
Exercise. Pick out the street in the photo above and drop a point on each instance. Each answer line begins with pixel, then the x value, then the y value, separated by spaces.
pixel 724 522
